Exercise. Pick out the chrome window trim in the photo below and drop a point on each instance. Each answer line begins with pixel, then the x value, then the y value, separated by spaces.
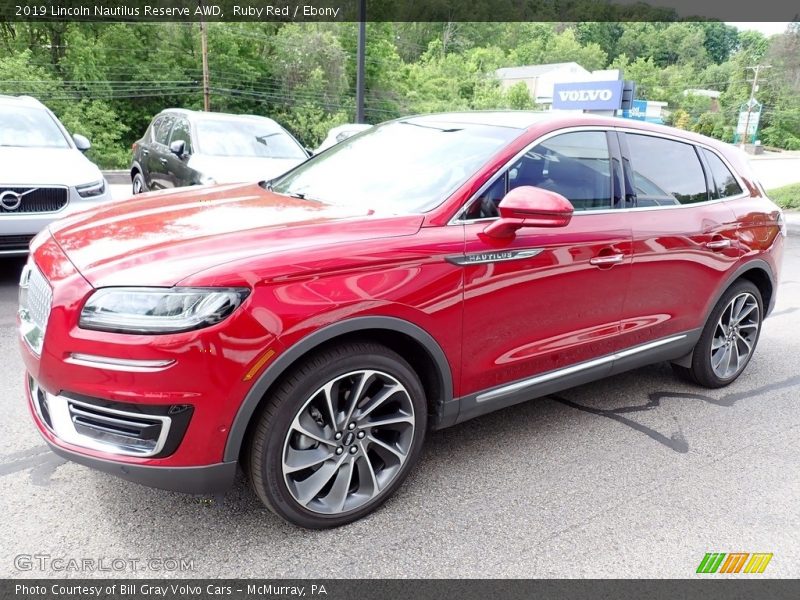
pixel 457 220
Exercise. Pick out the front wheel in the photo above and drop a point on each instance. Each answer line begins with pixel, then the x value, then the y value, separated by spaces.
pixel 138 185
pixel 729 338
pixel 338 436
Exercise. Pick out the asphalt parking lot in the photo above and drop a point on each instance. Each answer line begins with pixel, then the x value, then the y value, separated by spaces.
pixel 638 475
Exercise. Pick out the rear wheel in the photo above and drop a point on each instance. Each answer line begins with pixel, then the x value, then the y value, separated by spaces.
pixel 729 338
pixel 338 436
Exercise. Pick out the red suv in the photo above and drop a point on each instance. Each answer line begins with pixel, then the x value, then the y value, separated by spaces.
pixel 311 329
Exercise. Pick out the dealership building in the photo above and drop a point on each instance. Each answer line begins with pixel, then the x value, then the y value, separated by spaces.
pixel 569 87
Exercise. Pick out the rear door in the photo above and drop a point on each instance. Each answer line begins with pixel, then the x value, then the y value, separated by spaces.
pixel 549 298
pixel 684 237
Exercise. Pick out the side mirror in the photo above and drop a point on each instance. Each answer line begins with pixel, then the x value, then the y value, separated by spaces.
pixel 178 148
pixel 528 206
pixel 81 142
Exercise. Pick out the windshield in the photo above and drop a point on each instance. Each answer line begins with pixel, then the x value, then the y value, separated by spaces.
pixel 403 166
pixel 29 127
pixel 248 137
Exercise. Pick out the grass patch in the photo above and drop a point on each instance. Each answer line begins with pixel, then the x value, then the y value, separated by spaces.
pixel 787 196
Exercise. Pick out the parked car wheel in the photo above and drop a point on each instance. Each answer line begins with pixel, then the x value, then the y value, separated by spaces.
pixel 138 184
pixel 338 436
pixel 729 338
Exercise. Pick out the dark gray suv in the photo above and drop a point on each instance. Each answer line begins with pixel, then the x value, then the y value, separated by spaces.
pixel 185 147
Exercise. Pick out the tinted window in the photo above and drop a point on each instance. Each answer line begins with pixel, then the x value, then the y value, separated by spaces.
pixel 575 165
pixel 162 129
pixel 181 132
pixel 26 127
pixel 665 172
pixel 725 183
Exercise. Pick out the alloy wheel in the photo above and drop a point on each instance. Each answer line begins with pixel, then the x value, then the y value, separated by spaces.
pixel 348 441
pixel 735 335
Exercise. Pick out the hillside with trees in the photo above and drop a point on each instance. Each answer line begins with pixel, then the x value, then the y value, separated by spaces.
pixel 107 80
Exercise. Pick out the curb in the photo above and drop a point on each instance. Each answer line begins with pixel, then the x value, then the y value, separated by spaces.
pixel 117 177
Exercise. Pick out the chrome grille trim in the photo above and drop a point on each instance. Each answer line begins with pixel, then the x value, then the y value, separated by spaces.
pixel 97 427
pixel 35 303
pixel 33 199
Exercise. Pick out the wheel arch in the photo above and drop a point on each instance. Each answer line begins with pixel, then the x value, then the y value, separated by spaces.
pixel 412 342
pixel 758 272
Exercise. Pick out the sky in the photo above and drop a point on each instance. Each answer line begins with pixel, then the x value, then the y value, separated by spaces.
pixel 767 28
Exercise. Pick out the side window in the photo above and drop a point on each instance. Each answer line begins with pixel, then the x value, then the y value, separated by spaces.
pixel 725 184
pixel 182 132
pixel 576 165
pixel 163 128
pixel 665 172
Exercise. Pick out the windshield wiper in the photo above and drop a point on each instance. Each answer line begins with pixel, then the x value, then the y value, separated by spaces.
pixel 442 129
pixel 262 139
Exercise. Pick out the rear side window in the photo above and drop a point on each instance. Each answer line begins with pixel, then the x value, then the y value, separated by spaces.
pixel 724 184
pixel 182 132
pixel 665 172
pixel 162 128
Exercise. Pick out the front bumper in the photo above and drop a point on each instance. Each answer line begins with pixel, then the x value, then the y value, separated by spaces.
pixel 208 479
pixel 188 385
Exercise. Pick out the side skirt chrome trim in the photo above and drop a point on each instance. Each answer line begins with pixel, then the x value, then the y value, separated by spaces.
pixel 532 381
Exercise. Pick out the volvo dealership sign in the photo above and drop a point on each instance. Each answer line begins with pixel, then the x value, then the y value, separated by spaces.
pixel 588 95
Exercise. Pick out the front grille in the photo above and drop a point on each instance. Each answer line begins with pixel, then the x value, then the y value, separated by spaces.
pixel 40 299
pixel 35 302
pixel 16 243
pixel 18 200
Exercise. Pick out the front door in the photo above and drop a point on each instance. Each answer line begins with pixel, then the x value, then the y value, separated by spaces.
pixel 547 302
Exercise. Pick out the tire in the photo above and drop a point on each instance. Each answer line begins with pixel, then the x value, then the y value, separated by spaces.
pixel 354 466
pixel 137 184
pixel 742 305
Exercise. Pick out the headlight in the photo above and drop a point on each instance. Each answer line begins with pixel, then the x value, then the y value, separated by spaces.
pixel 159 310
pixel 90 190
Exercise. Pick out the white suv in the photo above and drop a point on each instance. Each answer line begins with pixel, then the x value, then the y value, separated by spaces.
pixel 43 172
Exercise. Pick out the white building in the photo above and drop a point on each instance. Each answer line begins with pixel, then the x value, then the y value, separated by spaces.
pixel 540 79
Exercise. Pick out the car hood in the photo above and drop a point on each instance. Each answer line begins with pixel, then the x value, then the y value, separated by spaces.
pixel 46 166
pixel 161 238
pixel 237 169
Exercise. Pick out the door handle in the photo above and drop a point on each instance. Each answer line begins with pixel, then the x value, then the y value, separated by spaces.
pixel 611 259
pixel 145 152
pixel 718 244
pixel 163 161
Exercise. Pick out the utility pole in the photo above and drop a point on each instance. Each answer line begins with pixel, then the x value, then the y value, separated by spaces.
pixel 204 52
pixel 750 102
pixel 362 35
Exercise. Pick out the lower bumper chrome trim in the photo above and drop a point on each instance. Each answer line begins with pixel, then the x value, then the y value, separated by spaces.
pixel 118 364
pixel 67 418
